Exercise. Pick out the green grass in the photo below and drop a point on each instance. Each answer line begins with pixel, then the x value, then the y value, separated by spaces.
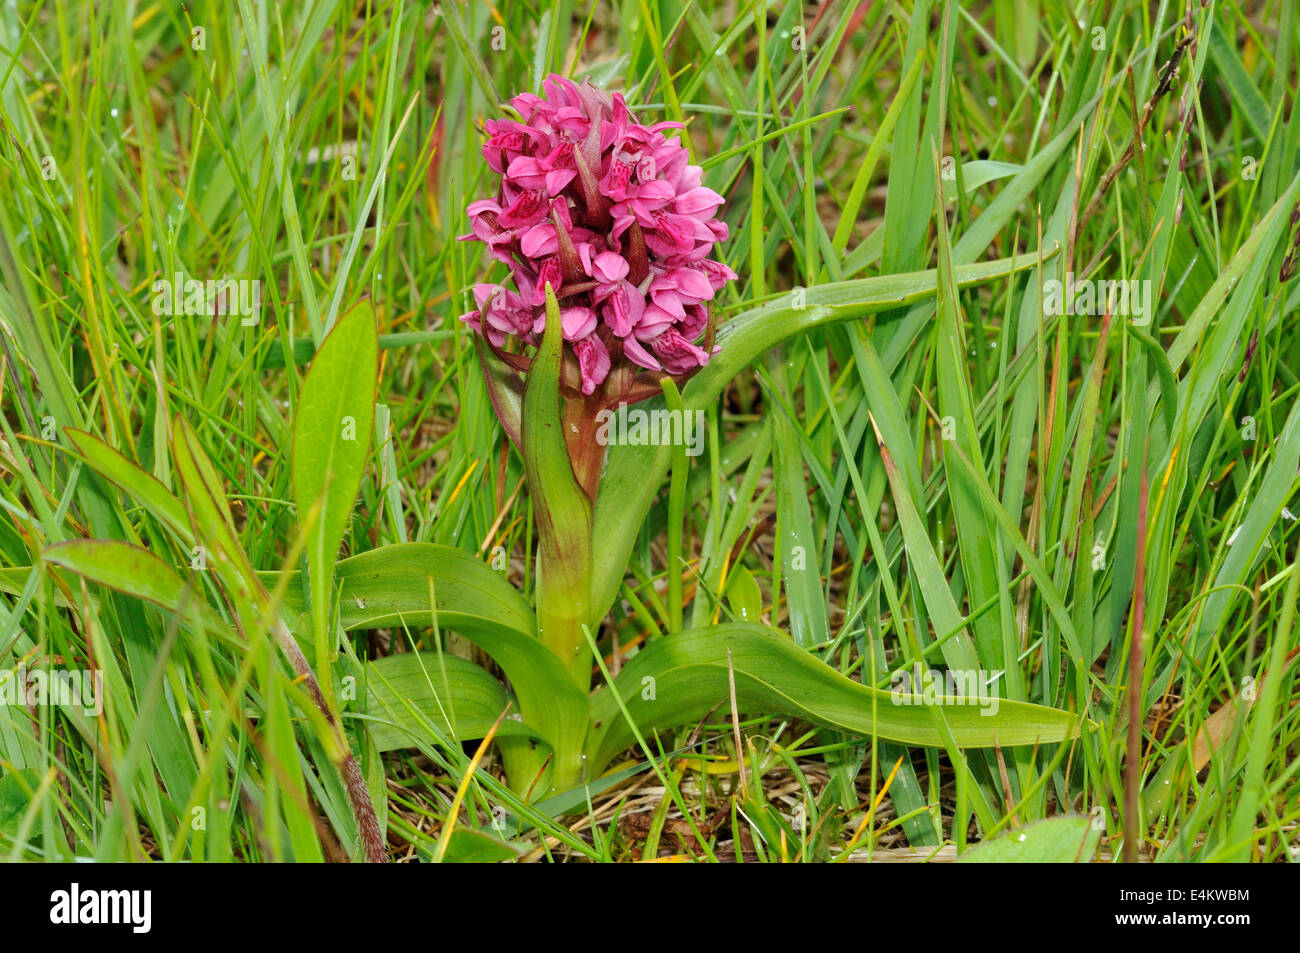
pixel 963 481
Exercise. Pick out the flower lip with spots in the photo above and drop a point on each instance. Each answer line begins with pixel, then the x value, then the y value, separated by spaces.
pixel 613 216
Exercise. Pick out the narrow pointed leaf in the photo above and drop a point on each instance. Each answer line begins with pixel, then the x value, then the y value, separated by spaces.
pixel 205 499
pixel 561 508
pixel 134 571
pixel 115 467
pixel 504 388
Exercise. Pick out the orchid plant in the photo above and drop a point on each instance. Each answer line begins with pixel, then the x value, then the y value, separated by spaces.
pixel 608 235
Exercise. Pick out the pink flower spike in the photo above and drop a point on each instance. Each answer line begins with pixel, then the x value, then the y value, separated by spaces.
pixel 612 214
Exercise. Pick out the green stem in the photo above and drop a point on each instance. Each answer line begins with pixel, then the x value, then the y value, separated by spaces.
pixel 563 513
pixel 564 586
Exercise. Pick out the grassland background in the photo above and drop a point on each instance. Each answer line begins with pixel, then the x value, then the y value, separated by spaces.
pixel 328 149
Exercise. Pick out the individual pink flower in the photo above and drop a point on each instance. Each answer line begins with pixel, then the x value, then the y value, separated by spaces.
pixel 611 214
pixel 500 313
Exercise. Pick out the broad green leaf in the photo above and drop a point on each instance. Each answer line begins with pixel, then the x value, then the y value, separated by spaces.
pixel 399 585
pixel 331 442
pixel 459 699
pixel 680 679
pixel 756 331
pixel 468 846
pixel 391 586
pixel 1056 840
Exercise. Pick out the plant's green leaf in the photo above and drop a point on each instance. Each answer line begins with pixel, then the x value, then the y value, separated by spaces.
pixel 468 846
pixel 1056 840
pixel 560 506
pixel 680 679
pixel 504 387
pixel 756 331
pixel 145 487
pixel 744 596
pixel 399 585
pixel 458 698
pixel 390 586
pixel 134 571
pixel 977 173
pixel 205 499
pixel 331 441
pixel 15 799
